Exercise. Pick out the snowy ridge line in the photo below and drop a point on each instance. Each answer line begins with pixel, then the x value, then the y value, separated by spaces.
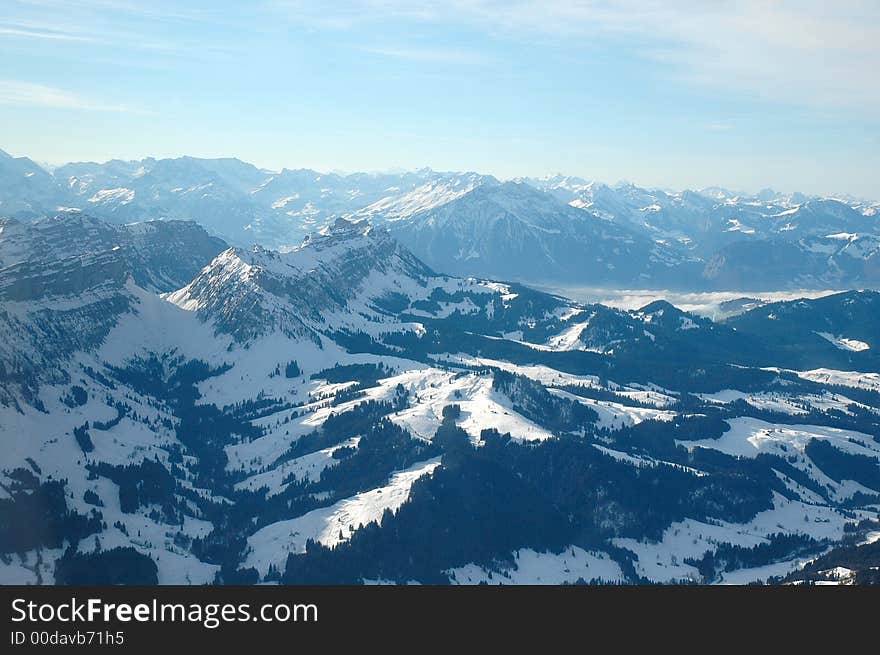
pixel 334 524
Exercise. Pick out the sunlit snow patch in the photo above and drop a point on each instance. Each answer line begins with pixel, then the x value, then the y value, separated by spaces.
pixel 531 567
pixel 853 345
pixel 331 525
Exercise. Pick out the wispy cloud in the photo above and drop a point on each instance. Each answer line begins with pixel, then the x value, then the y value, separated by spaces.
pixel 28 94
pixel 115 37
pixel 33 31
pixel 160 10
pixel 429 55
pixel 351 14
pixel 801 52
pixel 718 126
pixel 159 27
pixel 804 52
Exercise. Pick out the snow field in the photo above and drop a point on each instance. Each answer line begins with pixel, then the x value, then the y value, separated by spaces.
pixel 331 525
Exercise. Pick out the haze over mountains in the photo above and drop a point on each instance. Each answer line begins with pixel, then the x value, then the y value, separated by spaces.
pixel 555 231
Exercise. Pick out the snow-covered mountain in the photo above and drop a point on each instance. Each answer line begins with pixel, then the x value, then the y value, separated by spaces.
pixel 312 200
pixel 833 261
pixel 513 231
pixel 559 230
pixel 25 188
pixel 768 240
pixel 434 193
pixel 708 219
pixel 234 199
pixel 349 276
pixel 162 255
pixel 340 412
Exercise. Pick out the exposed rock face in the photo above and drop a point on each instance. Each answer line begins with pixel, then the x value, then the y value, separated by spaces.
pixel 162 255
pixel 307 289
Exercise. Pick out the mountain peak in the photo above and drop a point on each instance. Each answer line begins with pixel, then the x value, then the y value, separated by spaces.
pixel 346 227
pixel 343 233
pixel 658 306
pixel 338 272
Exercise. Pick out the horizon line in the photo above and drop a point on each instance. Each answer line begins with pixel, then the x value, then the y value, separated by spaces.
pixel 51 167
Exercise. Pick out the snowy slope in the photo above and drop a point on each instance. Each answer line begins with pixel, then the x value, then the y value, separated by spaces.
pixel 279 397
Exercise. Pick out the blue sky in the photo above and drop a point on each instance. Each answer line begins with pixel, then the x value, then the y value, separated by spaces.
pixel 675 94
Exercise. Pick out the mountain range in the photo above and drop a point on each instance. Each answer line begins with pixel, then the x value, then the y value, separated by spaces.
pixel 176 408
pixel 555 231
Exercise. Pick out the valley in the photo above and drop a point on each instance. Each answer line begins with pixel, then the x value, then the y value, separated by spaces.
pixel 179 410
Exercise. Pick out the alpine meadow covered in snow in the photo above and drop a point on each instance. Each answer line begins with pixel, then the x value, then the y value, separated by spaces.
pixel 221 372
